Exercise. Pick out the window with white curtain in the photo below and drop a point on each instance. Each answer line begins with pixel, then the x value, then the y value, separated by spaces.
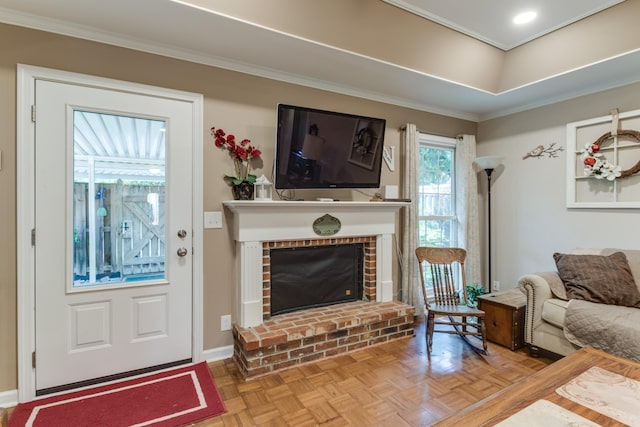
pixel 436 209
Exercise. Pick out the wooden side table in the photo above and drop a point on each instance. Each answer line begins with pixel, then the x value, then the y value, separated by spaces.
pixel 504 317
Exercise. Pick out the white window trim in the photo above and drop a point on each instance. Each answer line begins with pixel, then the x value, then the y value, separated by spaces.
pixel 428 140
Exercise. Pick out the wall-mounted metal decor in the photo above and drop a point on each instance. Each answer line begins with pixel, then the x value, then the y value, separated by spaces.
pixel 326 225
pixel 538 152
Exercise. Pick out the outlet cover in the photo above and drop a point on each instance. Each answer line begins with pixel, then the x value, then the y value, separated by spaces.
pixel 225 322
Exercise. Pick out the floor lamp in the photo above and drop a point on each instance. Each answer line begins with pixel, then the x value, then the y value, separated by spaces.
pixel 489 163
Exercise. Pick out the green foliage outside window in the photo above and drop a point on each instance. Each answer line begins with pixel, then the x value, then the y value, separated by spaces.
pixel 436 222
pixel 435 165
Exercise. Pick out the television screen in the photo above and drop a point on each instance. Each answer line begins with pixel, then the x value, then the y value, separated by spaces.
pixel 324 149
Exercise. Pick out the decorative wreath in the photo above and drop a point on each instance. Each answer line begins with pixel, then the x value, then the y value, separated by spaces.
pixel 597 166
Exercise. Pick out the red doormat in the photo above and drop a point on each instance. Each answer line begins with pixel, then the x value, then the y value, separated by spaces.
pixel 172 398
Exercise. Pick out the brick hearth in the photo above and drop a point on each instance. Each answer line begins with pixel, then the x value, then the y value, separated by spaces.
pixel 292 339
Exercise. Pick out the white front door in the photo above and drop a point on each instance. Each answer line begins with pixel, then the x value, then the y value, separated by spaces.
pixel 113 232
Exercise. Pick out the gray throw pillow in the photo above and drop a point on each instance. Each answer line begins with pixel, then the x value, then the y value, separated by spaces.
pixel 598 278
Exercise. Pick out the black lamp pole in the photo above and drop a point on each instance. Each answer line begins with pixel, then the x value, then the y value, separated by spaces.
pixel 489 172
pixel 489 164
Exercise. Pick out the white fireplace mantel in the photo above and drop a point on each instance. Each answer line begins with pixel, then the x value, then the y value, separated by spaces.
pixel 255 222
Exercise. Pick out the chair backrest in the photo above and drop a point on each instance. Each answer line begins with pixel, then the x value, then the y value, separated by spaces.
pixel 446 270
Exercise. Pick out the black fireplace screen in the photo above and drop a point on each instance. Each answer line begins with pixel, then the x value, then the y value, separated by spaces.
pixel 315 276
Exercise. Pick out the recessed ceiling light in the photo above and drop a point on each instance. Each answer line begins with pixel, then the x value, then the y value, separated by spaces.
pixel 525 17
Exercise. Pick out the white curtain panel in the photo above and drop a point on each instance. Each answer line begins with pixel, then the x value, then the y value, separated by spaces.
pixel 467 206
pixel 411 291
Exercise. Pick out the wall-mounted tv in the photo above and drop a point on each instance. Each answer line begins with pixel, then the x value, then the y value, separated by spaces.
pixel 325 149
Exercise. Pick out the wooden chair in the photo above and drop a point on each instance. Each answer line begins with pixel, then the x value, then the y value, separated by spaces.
pixel 446 268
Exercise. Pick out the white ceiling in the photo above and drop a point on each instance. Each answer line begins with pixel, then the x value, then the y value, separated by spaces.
pixel 174 28
pixel 491 20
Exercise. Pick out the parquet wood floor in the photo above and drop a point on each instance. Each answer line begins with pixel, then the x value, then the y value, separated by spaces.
pixel 394 384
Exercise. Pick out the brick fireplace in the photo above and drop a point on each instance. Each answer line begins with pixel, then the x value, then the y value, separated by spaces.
pixel 369 264
pixel 265 343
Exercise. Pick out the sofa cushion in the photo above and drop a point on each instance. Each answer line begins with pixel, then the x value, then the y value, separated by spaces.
pixel 598 278
pixel 554 311
pixel 633 258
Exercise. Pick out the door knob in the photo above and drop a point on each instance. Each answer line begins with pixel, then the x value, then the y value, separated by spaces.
pixel 182 234
pixel 182 252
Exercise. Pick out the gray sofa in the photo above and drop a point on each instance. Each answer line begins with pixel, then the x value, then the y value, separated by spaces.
pixel 616 328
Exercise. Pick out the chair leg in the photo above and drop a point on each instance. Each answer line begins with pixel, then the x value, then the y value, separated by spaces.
pixel 426 329
pixel 430 325
pixel 483 332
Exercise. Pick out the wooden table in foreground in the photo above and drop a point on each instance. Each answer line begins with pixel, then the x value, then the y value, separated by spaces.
pixel 542 385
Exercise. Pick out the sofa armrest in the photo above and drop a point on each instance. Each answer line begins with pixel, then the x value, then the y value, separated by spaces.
pixel 537 290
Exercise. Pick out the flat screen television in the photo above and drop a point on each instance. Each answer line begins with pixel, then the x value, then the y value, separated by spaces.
pixel 325 149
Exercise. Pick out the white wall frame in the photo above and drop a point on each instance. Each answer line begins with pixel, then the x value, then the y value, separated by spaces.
pixel 589 192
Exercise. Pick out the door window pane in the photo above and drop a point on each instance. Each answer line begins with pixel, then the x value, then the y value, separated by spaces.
pixel 118 199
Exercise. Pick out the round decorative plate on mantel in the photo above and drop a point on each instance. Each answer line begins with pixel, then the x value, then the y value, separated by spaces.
pixel 326 225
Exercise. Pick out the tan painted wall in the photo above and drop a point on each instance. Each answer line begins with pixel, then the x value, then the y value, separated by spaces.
pixel 610 33
pixel 528 197
pixel 379 30
pixel 236 102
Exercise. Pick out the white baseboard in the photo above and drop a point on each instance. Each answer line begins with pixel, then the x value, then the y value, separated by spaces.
pixel 8 398
pixel 218 353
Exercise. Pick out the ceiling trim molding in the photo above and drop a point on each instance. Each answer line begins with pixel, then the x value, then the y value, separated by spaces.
pixel 419 91
pixel 604 84
pixel 87 33
pixel 402 4
pixel 435 18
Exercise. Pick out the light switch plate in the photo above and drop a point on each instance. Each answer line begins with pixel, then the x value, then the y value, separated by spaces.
pixel 213 220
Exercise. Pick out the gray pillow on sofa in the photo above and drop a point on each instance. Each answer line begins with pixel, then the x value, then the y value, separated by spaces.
pixel 598 278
